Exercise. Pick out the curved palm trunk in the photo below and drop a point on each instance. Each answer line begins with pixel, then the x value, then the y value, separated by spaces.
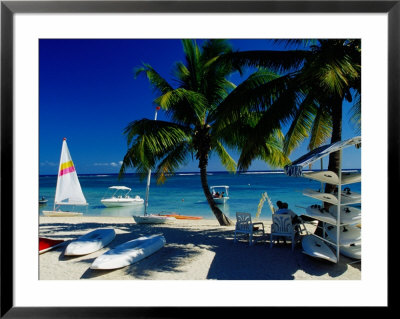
pixel 334 158
pixel 222 219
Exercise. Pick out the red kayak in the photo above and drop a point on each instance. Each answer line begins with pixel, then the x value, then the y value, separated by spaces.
pixel 45 244
pixel 177 216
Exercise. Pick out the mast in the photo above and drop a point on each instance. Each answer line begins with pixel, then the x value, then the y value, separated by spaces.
pixel 146 202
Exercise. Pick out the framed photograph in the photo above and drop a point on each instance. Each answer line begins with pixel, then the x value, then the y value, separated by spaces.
pixel 58 76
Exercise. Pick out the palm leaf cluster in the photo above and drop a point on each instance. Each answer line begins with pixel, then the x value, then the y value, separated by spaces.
pixel 312 84
pixel 203 87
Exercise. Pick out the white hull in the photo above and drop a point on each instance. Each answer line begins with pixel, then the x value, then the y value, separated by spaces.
pixel 90 242
pixel 121 202
pixel 316 247
pixel 58 213
pixel 129 252
pixel 222 200
pixel 152 219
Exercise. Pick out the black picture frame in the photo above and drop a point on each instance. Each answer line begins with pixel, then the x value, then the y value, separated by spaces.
pixel 9 8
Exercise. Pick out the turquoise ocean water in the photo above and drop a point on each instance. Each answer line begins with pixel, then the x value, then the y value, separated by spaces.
pixel 182 193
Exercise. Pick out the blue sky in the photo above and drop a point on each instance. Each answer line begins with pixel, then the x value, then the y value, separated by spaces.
pixel 88 94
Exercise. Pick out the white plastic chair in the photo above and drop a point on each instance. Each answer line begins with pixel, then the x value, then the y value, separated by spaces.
pixel 244 225
pixel 282 227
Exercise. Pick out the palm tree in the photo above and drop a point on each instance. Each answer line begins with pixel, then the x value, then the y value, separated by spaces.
pixel 318 80
pixel 191 109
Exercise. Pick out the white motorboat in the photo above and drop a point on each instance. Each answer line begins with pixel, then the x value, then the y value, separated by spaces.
pixel 120 197
pixel 220 194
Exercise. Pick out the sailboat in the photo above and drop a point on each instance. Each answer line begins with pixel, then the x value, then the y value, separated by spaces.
pixel 151 218
pixel 68 189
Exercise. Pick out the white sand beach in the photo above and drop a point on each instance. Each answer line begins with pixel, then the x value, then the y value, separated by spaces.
pixel 194 250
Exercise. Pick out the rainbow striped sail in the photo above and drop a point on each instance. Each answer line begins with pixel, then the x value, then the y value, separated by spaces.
pixel 68 191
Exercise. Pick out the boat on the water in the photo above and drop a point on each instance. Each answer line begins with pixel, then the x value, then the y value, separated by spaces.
pixel 68 189
pixel 220 194
pixel 43 201
pixel 120 197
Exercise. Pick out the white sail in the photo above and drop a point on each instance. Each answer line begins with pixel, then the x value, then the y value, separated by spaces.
pixel 68 191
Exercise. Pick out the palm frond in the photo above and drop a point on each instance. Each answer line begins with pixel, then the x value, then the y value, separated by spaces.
pixel 174 159
pixel 184 106
pixel 149 141
pixel 301 124
pixel 278 61
pixel 321 130
pixel 355 114
pixel 224 156
pixel 255 94
pixel 158 83
pixel 269 151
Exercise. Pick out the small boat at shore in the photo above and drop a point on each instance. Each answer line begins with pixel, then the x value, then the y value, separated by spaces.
pixel 220 194
pixel 178 216
pixel 121 198
pixel 68 189
pixel 153 219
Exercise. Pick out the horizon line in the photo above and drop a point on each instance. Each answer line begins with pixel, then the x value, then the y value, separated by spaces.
pixel 197 172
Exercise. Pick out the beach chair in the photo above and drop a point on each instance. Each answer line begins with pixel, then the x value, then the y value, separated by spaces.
pixel 282 227
pixel 244 225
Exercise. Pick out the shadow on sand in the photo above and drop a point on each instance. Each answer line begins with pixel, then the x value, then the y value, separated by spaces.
pixel 232 261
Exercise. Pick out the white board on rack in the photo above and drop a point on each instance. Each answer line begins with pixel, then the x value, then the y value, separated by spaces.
pixel 332 178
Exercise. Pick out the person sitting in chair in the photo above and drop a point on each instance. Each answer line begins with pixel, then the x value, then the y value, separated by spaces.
pixel 283 208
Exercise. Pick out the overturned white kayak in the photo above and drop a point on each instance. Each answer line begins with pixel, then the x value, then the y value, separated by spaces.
pixel 90 242
pixel 315 247
pixel 129 252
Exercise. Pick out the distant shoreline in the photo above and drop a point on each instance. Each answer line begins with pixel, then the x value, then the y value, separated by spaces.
pixel 198 173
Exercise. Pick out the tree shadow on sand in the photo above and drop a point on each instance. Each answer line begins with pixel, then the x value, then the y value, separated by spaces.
pixel 232 261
